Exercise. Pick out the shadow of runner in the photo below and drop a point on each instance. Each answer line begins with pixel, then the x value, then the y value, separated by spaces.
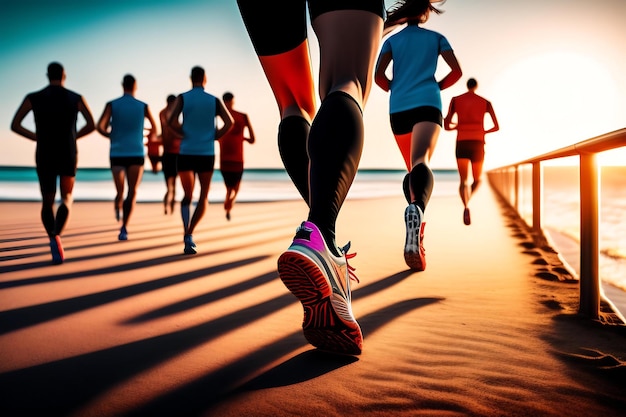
pixel 199 396
pixel 204 299
pixel 105 255
pixel 19 318
pixel 259 280
pixel 63 387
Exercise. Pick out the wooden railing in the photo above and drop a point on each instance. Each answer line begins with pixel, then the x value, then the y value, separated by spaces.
pixel 506 182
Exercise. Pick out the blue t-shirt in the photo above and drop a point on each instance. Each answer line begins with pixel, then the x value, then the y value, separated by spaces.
pixel 127 124
pixel 199 112
pixel 415 52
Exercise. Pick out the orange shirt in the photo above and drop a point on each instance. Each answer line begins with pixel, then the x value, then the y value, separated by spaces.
pixel 470 110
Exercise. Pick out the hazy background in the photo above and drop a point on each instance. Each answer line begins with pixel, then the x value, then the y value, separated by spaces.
pixel 555 71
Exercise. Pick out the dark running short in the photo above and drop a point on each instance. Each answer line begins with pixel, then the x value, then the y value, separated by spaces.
pixel 403 122
pixel 48 171
pixel 169 164
pixel 474 150
pixel 126 161
pixel 280 25
pixel 231 172
pixel 195 163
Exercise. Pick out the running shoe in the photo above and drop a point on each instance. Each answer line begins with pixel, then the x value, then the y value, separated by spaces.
pixel 414 253
pixel 56 248
pixel 467 220
pixel 190 246
pixel 321 281
pixel 123 234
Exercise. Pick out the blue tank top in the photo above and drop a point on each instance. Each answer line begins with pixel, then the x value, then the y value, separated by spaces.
pixel 415 52
pixel 127 124
pixel 199 111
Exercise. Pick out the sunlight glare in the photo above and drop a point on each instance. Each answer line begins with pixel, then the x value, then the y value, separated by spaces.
pixel 564 97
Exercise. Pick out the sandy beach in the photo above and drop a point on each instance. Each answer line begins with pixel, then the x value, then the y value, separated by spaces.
pixel 136 328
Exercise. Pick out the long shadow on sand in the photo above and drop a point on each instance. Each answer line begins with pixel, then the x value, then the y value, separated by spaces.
pixel 109 253
pixel 19 318
pixel 195 398
pixel 65 386
pixel 45 248
pixel 117 267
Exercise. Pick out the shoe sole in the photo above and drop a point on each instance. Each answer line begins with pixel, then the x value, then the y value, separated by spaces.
pixel 416 260
pixel 322 326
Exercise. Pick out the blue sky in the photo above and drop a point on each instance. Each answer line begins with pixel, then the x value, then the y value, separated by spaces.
pixel 553 70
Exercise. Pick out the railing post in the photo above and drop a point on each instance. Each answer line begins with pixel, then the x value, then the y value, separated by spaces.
pixel 537 196
pixel 516 191
pixel 589 251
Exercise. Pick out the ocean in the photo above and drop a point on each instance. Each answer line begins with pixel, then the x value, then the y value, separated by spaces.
pixel 561 202
pixel 96 184
pixel 562 221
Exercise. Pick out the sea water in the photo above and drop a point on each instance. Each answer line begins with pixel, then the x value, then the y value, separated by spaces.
pixel 96 184
pixel 561 221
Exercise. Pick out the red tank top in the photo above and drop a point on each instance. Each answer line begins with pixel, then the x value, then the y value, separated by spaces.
pixel 231 144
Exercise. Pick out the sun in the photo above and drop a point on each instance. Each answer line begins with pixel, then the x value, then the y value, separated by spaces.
pixel 551 100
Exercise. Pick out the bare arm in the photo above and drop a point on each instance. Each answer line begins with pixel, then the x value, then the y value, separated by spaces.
pixel 447 121
pixel 380 77
pixel 223 113
pixel 90 126
pixel 173 119
pixel 20 114
pixel 455 70
pixel 492 113
pixel 153 127
pixel 251 138
pixel 163 121
pixel 104 121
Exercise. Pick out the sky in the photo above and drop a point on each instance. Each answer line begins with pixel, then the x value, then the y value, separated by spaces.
pixel 555 71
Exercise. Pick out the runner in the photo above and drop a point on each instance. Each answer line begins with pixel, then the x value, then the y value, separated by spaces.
pixel 415 108
pixel 470 109
pixel 199 132
pixel 320 149
pixel 231 152
pixel 56 110
pixel 122 121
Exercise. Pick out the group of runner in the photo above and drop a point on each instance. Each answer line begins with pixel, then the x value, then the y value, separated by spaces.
pixel 127 122
pixel 320 146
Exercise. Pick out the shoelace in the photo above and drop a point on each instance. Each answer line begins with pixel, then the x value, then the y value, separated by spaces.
pixel 351 269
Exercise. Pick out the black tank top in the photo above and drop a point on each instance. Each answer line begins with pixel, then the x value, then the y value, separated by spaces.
pixel 55 109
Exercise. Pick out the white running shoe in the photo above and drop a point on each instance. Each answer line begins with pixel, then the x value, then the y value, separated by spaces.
pixel 321 281
pixel 414 253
